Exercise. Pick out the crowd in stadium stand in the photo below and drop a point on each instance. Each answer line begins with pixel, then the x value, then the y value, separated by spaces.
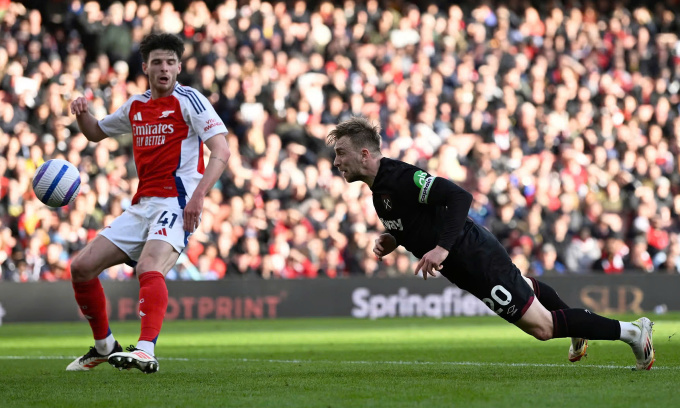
pixel 563 122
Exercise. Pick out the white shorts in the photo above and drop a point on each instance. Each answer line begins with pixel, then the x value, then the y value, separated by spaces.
pixel 158 218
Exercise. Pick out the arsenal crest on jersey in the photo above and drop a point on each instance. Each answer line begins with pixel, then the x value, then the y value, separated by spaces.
pixel 387 202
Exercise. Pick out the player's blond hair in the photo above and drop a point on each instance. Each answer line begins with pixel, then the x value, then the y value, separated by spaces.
pixel 360 132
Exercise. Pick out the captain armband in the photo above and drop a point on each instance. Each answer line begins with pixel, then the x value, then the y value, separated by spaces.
pixel 425 190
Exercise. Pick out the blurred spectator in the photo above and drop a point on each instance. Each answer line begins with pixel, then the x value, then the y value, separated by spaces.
pixel 584 250
pixel 614 255
pixel 639 259
pixel 546 263
pixel 562 121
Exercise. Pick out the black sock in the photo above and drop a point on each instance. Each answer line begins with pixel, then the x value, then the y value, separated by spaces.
pixel 582 323
pixel 547 296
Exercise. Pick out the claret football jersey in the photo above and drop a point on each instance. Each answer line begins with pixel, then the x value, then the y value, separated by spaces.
pixel 167 136
pixel 419 210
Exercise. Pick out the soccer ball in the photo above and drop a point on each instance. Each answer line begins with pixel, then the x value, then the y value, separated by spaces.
pixel 56 183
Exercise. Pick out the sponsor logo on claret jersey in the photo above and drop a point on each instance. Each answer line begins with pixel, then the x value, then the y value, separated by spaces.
pixel 394 225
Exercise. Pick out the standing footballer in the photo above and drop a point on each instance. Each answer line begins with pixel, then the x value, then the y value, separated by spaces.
pixel 169 124
pixel 427 215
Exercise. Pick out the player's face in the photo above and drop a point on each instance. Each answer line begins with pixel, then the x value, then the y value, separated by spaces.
pixel 162 69
pixel 348 160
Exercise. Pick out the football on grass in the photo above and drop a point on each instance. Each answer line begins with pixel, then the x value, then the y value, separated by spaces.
pixel 56 183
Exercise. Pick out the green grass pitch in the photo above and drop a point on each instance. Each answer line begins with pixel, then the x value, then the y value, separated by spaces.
pixel 461 362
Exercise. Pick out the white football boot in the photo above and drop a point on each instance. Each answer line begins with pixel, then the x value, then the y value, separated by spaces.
pixel 578 348
pixel 91 359
pixel 643 348
pixel 134 358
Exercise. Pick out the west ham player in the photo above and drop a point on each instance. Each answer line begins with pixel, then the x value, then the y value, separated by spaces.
pixel 169 124
pixel 427 215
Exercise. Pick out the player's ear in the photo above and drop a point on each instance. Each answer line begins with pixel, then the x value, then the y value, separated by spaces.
pixel 179 67
pixel 144 67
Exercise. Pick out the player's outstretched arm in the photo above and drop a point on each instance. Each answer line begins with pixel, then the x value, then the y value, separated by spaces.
pixel 219 154
pixel 432 261
pixel 87 123
pixel 384 245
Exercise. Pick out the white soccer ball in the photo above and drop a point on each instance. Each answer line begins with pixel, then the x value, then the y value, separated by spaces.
pixel 56 183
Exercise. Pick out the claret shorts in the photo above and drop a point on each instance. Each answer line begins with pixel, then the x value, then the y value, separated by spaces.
pixel 479 264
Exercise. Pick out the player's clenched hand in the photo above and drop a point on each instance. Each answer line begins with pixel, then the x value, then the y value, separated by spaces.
pixel 192 213
pixel 79 106
pixel 384 245
pixel 432 261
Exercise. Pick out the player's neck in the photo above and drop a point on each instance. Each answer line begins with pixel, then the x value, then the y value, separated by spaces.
pixel 157 93
pixel 372 171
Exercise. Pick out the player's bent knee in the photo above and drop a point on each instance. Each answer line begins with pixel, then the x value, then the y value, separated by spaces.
pixel 542 334
pixel 159 256
pixel 147 266
pixel 81 270
pixel 141 267
pixel 537 321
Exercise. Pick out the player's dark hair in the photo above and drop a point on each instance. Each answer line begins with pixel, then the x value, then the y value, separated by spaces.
pixel 167 42
pixel 360 132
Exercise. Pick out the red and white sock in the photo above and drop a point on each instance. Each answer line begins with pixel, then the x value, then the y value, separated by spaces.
pixel 153 303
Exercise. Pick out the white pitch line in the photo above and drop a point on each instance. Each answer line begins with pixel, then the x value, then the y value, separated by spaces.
pixel 453 363
pixel 431 363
